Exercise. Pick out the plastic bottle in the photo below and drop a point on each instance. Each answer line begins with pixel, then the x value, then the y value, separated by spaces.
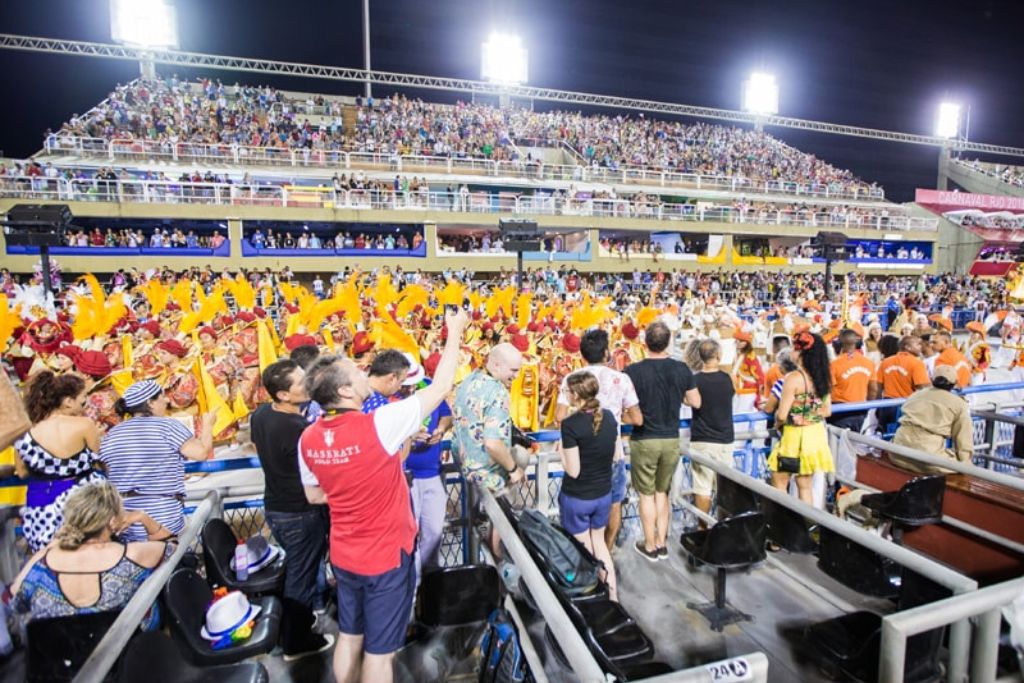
pixel 241 562
pixel 509 576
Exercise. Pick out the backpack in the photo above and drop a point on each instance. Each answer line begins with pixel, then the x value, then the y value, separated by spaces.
pixel 502 658
pixel 563 558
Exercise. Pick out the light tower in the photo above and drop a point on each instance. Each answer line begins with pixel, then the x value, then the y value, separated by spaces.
pixel 148 24
pixel 504 61
pixel 947 126
pixel 761 97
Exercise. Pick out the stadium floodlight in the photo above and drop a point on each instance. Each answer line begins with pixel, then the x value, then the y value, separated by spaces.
pixel 761 94
pixel 504 59
pixel 948 124
pixel 144 23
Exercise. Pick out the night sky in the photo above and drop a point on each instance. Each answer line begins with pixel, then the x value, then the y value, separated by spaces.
pixel 868 63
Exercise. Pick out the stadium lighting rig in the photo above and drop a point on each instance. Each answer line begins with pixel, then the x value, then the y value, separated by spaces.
pixel 761 94
pixel 146 24
pixel 504 59
pixel 947 124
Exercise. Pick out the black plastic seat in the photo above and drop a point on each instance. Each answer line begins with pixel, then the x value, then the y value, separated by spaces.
pixel 58 647
pixel 733 543
pixel 857 567
pixel 154 658
pixel 732 498
pixel 916 503
pixel 787 528
pixel 219 543
pixel 850 643
pixel 454 596
pixel 186 597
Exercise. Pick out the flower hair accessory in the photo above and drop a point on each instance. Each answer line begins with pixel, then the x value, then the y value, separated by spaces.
pixel 803 341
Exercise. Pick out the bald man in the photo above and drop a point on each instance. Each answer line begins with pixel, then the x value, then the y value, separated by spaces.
pixel 482 438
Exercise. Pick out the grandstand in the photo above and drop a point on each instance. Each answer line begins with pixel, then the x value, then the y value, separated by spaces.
pixel 235 156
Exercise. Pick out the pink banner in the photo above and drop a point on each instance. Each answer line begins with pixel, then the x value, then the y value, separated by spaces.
pixel 951 201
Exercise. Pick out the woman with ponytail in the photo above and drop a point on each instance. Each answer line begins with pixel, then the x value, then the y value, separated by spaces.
pixel 806 401
pixel 86 568
pixel 58 454
pixel 589 437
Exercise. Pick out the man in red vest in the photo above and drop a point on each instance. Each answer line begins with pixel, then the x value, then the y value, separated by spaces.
pixel 353 462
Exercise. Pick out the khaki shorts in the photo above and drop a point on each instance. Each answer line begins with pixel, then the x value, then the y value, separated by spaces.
pixel 652 463
pixel 704 477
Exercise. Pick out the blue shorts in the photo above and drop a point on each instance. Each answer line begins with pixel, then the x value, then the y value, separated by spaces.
pixel 578 515
pixel 377 607
pixel 620 480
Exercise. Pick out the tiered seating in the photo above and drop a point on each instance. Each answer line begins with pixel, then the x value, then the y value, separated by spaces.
pixel 617 642
pixel 166 117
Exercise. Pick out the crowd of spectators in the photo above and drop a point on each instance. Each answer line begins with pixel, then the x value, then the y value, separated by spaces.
pixel 170 111
pixel 133 238
pixel 987 221
pixel 1013 175
pixel 308 239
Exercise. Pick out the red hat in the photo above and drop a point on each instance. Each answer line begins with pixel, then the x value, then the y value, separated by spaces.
pixel 742 335
pixel 93 363
pixel 260 313
pixel 206 329
pixel 246 317
pixel 172 307
pixel 225 320
pixel 534 326
pixel 430 364
pixel 69 350
pixel 361 343
pixel 426 322
pixel 173 347
pixel 520 342
pixel 151 326
pixel 512 329
pixel 488 326
pixel 63 316
pixel 296 340
pixel 571 343
pixel 291 308
pixel 630 331
pixel 477 315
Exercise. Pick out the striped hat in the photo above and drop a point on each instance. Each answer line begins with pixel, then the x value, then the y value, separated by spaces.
pixel 140 392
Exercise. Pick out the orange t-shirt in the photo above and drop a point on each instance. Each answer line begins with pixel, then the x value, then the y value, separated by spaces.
pixel 773 375
pixel 899 374
pixel 958 362
pixel 851 373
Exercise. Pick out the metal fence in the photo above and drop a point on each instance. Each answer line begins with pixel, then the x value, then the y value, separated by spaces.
pixel 321 197
pixel 342 159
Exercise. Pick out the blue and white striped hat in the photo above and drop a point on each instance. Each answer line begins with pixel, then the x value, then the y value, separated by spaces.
pixel 140 392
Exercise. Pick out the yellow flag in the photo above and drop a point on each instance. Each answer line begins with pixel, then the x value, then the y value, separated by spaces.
pixel 121 380
pixel 328 339
pixel 214 402
pixel 126 350
pixel 238 407
pixel 265 348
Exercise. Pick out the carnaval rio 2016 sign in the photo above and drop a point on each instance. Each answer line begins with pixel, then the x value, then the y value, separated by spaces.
pixel 949 201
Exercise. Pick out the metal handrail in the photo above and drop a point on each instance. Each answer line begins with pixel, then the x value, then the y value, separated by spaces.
pixel 986 602
pixel 175 192
pixel 571 643
pixel 1016 483
pixel 960 632
pixel 110 647
pixel 344 158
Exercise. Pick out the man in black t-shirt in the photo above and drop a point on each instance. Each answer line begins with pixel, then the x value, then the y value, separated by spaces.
pixel 711 430
pixel 662 385
pixel 298 526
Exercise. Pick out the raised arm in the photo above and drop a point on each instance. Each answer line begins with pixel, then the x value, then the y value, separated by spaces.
pixel 444 377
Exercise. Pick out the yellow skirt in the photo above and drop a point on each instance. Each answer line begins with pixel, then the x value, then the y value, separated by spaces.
pixel 809 443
